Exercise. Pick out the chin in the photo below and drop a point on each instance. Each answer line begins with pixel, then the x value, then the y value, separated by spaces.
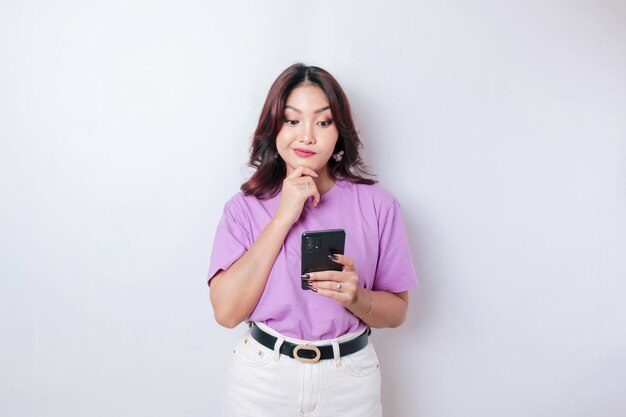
pixel 307 164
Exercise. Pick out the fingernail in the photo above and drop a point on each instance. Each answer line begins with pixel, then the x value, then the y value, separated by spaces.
pixel 333 257
pixel 308 284
pixel 313 289
pixel 306 276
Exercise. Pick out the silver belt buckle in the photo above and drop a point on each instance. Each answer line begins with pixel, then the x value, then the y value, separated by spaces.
pixel 310 347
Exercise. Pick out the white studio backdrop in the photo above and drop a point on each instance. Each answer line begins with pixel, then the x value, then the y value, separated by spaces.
pixel 499 126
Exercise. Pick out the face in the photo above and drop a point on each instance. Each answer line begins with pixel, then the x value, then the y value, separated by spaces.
pixel 308 135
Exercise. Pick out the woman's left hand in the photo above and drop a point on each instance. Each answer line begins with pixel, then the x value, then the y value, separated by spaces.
pixel 338 285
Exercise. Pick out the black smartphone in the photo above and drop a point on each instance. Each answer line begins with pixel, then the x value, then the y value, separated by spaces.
pixel 316 246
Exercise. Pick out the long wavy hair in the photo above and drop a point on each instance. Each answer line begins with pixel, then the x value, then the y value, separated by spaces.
pixel 270 169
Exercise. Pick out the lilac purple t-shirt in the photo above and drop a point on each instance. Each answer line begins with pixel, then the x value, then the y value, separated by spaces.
pixel 375 239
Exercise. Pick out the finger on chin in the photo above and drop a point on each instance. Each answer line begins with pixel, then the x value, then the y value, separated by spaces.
pixel 294 174
pixel 309 171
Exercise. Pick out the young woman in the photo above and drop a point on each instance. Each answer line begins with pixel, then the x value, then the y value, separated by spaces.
pixel 307 352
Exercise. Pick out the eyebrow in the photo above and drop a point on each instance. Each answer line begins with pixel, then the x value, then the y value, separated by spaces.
pixel 300 111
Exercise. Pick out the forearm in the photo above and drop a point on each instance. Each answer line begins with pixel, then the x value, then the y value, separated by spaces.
pixel 236 291
pixel 383 309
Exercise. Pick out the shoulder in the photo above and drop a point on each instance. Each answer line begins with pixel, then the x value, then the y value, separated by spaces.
pixel 240 204
pixel 240 198
pixel 235 201
pixel 248 206
pixel 380 197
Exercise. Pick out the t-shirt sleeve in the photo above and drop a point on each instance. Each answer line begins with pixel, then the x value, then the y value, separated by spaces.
pixel 232 239
pixel 394 271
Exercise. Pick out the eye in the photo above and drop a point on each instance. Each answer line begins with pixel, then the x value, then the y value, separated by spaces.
pixel 326 123
pixel 290 122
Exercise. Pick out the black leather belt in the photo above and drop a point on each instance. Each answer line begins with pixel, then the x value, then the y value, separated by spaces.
pixel 308 352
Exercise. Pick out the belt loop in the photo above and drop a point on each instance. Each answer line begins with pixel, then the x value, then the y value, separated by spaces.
pixel 336 353
pixel 277 345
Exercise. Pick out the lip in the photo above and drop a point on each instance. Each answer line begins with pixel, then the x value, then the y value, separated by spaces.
pixel 303 153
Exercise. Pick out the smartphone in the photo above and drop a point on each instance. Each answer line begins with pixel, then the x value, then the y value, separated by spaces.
pixel 316 246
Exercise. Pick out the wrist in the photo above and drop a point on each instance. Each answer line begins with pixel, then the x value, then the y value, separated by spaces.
pixel 361 309
pixel 281 223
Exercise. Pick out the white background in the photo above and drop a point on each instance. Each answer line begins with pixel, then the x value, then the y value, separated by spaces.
pixel 499 126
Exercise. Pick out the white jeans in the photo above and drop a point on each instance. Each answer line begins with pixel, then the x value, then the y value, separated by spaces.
pixel 263 382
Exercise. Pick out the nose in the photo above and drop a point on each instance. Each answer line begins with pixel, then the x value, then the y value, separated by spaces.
pixel 307 135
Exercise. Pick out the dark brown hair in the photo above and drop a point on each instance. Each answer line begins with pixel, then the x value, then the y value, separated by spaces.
pixel 270 167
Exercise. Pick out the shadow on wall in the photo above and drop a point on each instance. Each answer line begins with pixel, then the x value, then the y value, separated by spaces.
pixel 398 352
pixel 400 380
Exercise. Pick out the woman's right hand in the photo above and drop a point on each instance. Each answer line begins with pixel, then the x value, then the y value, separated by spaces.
pixel 236 291
pixel 297 188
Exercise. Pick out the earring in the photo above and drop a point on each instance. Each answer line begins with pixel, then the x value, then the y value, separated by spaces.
pixel 338 156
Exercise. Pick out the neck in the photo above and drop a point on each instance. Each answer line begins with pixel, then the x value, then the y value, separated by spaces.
pixel 324 183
